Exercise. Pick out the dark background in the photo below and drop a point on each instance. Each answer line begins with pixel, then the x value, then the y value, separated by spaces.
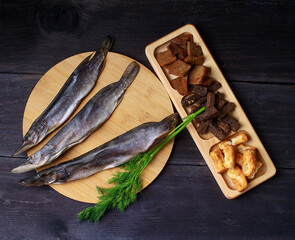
pixel 253 43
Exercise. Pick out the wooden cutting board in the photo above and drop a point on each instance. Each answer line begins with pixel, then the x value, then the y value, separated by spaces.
pixel 145 100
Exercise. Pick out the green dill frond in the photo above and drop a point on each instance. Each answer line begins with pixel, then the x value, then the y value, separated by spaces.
pixel 128 182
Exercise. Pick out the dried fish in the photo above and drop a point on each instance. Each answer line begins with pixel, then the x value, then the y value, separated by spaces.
pixel 111 154
pixel 77 86
pixel 95 112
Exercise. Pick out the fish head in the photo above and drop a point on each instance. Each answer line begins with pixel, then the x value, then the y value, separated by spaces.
pixel 34 135
pixel 46 177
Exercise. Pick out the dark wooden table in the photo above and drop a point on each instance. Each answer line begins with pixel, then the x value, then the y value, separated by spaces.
pixel 253 43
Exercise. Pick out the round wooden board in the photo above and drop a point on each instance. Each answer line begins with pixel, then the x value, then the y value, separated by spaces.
pixel 145 100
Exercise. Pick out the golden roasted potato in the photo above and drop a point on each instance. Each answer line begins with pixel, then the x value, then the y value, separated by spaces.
pixel 230 153
pixel 239 159
pixel 218 159
pixel 223 144
pixel 240 138
pixel 242 148
pixel 249 160
pixel 238 178
pixel 258 165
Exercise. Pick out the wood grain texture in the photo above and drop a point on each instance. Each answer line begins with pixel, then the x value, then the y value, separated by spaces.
pixel 245 37
pixel 183 200
pixel 144 101
pixel 253 44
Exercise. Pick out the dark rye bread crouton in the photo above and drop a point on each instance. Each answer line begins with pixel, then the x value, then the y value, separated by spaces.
pixel 195 60
pixel 182 39
pixel 195 54
pixel 218 96
pixel 233 123
pixel 189 99
pixel 227 108
pixel 219 105
pixel 203 127
pixel 207 81
pixel 193 49
pixel 214 86
pixel 216 131
pixel 178 51
pixel 201 102
pixel 199 90
pixel 224 126
pixel 197 74
pixel 210 113
pixel 180 84
pixel 210 100
pixel 178 68
pixel 165 58
pixel 193 108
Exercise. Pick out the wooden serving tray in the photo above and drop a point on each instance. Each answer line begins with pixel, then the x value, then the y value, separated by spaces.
pixel 144 101
pixel 208 142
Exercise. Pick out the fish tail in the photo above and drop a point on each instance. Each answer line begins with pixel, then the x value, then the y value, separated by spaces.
pixel 129 74
pixel 104 47
pixel 107 43
pixel 171 121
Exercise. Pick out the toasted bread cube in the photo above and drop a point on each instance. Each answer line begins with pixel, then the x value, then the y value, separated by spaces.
pixel 242 148
pixel 249 162
pixel 178 68
pixel 239 159
pixel 218 159
pixel 210 100
pixel 224 126
pixel 197 74
pixel 240 138
pixel 165 58
pixel 230 153
pixel 183 39
pixel 193 49
pixel 194 60
pixel 207 81
pixel 180 84
pixel 178 51
pixel 224 143
pixel 258 165
pixel 236 175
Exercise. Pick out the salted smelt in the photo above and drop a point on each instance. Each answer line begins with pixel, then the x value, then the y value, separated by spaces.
pixel 75 89
pixel 108 155
pixel 95 112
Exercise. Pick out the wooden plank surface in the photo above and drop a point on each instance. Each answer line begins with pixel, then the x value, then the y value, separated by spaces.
pixel 253 44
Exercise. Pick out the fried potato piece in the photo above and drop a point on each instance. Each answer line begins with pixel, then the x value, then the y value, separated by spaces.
pixel 224 143
pixel 249 160
pixel 230 153
pixel 239 159
pixel 218 159
pixel 242 148
pixel 240 138
pixel 236 175
pixel 258 165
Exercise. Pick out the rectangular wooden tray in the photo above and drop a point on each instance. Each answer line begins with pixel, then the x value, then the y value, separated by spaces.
pixel 206 144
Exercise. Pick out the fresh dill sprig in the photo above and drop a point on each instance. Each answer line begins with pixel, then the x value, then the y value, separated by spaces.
pixel 127 182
